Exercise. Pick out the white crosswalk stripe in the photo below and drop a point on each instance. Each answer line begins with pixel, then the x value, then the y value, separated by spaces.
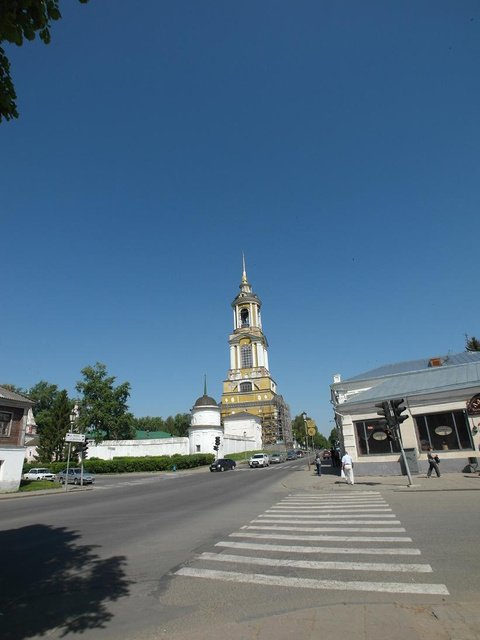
pixel 306 525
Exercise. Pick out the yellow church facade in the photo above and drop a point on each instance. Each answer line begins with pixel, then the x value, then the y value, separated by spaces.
pixel 249 386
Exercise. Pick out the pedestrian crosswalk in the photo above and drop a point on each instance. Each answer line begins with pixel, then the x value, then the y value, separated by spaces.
pixel 318 534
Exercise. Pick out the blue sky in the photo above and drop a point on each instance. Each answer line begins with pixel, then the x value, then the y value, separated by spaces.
pixel 336 143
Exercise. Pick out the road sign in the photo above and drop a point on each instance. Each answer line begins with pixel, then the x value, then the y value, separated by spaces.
pixel 75 437
pixel 312 431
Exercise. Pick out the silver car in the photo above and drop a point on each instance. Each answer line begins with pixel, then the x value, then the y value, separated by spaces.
pixel 74 476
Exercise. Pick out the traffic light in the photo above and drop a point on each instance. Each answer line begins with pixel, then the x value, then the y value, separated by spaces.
pixel 384 413
pixel 216 446
pixel 84 448
pixel 397 409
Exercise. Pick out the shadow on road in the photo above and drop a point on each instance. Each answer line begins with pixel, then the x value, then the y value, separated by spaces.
pixel 49 581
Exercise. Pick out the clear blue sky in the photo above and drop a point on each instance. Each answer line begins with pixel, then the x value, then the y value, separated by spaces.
pixel 336 143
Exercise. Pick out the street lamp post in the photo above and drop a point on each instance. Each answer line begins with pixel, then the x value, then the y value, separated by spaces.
pixel 244 445
pixel 304 416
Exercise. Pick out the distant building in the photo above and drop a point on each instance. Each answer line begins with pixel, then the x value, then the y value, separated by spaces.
pixel 250 386
pixel 442 398
pixel 14 419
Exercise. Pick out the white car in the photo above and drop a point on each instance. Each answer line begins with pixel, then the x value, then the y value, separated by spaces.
pixel 258 460
pixel 39 474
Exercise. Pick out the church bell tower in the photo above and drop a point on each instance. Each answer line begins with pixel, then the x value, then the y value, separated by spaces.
pixel 250 387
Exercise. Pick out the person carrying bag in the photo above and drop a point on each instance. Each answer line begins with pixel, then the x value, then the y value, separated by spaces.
pixel 433 462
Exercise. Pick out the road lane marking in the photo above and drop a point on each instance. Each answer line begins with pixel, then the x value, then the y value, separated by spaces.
pixel 274 527
pixel 325 508
pixel 277 520
pixel 320 564
pixel 285 536
pixel 387 551
pixel 327 516
pixel 309 583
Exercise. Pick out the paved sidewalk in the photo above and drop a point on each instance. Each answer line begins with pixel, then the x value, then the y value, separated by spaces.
pixel 308 480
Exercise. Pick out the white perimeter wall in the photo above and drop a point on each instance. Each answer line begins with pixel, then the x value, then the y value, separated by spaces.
pixel 110 449
pixel 11 465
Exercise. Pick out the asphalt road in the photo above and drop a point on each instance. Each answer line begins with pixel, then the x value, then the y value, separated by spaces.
pixel 92 561
pixel 138 557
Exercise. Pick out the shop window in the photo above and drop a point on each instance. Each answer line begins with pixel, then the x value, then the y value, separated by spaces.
pixel 443 431
pixel 368 445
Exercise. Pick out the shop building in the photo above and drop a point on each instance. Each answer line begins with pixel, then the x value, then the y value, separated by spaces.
pixel 442 400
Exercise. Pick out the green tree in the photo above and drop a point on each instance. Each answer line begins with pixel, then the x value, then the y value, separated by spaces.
pixel 55 424
pixel 320 441
pixel 44 395
pixel 103 409
pixel 21 20
pixel 181 423
pixel 472 344
pixel 298 429
pixel 149 423
pixel 333 437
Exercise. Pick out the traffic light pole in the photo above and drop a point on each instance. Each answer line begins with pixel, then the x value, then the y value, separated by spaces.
pixel 391 412
pixel 404 457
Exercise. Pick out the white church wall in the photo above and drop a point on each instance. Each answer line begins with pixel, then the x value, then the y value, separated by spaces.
pixel 110 449
pixel 201 440
pixel 207 416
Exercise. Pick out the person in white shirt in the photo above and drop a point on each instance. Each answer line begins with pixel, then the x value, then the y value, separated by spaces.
pixel 347 468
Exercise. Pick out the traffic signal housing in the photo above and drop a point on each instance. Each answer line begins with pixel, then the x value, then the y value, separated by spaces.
pixel 384 413
pixel 216 446
pixel 84 449
pixel 398 408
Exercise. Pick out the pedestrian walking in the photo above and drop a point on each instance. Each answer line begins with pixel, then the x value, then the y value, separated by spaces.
pixel 318 464
pixel 433 462
pixel 347 468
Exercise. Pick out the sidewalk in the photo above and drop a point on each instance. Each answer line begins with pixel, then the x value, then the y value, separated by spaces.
pixel 308 481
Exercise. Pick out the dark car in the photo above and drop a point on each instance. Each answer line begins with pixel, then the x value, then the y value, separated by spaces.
pixel 74 476
pixel 223 464
pixel 291 455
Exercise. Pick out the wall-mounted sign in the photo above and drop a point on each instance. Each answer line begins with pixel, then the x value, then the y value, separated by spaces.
pixel 473 405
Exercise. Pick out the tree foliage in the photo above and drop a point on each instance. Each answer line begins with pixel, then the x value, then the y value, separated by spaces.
pixel 55 423
pixel 103 409
pixel 472 344
pixel 21 20
pixel 176 425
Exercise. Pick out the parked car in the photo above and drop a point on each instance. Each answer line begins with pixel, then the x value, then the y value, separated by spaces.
pixel 39 473
pixel 75 476
pixel 299 454
pixel 275 458
pixel 291 455
pixel 223 464
pixel 326 455
pixel 258 460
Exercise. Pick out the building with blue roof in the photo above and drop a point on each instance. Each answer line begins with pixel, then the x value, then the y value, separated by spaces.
pixel 442 399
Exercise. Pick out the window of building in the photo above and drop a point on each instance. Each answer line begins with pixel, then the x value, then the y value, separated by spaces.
pixel 5 424
pixel 245 386
pixel 197 446
pixel 246 355
pixel 444 431
pixel 244 318
pixel 368 445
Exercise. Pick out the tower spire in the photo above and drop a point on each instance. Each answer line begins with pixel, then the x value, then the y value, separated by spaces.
pixel 244 270
pixel 204 384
